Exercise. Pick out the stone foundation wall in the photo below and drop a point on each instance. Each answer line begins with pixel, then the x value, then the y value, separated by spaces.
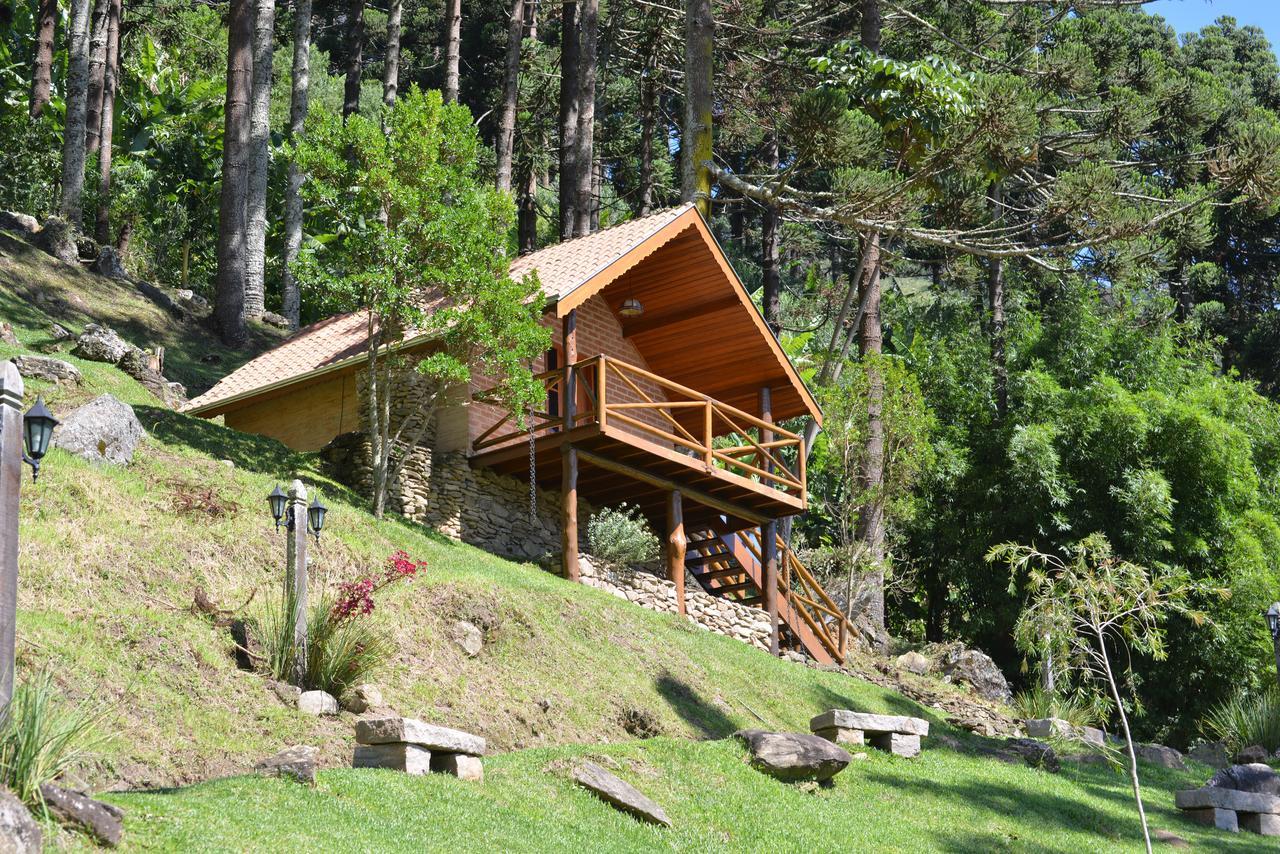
pixel 649 590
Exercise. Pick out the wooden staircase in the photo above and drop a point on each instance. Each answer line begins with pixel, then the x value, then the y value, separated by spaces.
pixel 728 564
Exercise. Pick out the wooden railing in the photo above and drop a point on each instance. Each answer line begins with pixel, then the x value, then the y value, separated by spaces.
pixel 805 596
pixel 720 435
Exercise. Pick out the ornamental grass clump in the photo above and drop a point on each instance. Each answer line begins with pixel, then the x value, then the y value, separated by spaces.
pixel 1037 703
pixel 42 736
pixel 1244 720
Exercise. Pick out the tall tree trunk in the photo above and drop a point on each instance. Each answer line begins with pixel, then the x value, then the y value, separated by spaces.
pixel 871 478
pixel 110 83
pixel 584 159
pixel 770 279
pixel 355 57
pixel 255 274
pixel 695 138
pixel 505 142
pixel 232 225
pixel 995 295
pixel 73 127
pixel 452 49
pixel 870 25
pixel 648 118
pixel 391 67
pixel 301 91
pixel 98 35
pixel 42 62
pixel 568 115
pixel 527 223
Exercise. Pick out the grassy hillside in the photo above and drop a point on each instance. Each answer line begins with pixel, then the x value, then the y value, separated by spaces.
pixel 110 562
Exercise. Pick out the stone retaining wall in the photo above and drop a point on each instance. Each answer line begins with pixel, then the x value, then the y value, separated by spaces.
pixel 649 590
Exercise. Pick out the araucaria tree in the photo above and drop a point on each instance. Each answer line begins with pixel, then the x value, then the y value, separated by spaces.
pixel 418 243
pixel 1089 606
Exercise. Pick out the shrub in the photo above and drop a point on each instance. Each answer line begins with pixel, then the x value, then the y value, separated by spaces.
pixel 42 736
pixel 621 536
pixel 1244 720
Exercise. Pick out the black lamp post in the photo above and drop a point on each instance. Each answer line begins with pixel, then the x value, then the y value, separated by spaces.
pixel 284 516
pixel 1272 616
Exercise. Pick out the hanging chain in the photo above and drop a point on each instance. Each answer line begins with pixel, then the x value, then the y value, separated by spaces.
pixel 533 476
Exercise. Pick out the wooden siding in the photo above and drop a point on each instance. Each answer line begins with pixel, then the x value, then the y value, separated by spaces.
pixel 304 417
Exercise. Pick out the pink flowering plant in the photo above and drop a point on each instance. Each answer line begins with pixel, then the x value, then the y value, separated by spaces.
pixel 355 598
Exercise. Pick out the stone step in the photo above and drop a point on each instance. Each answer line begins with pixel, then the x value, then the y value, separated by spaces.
pixel 869 723
pixel 389 730
pixel 408 758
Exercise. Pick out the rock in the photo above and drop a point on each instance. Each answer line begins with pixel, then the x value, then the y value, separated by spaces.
pixel 1058 728
pixel 103 430
pixel 1169 838
pixel 104 822
pixel 1211 753
pixel 619 793
pixel 288 694
pixel 793 757
pixel 101 344
pixel 1217 818
pixel 362 698
pixel 913 662
pixel 19 832
pixel 1261 823
pixel 976 668
pixel 141 366
pixel 459 765
pixel 845 719
pixel 58 332
pixel 24 225
pixel 1252 754
pixel 1253 777
pixel 1158 754
pixel 468 637
pixel 7 335
pixel 108 264
pixel 58 238
pixel 297 762
pixel 409 758
pixel 1037 754
pixel 191 301
pixel 391 729
pixel 1208 797
pixel 317 703
pixel 46 368
pixel 277 320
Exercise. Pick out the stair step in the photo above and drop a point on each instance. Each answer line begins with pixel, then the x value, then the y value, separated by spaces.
pixel 703 560
pixel 717 574
pixel 733 588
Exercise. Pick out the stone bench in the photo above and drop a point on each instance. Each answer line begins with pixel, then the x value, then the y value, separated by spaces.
pixel 896 734
pixel 414 747
pixel 1230 810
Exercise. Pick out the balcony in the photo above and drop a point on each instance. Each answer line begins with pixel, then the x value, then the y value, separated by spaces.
pixel 639 436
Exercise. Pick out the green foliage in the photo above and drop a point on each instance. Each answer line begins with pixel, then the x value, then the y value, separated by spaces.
pixel 621 535
pixel 42 736
pixel 1246 719
pixel 1036 702
pixel 342 653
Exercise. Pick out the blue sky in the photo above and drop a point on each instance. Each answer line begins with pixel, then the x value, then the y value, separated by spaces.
pixel 1190 15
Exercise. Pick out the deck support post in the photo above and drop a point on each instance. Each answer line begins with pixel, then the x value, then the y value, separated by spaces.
pixel 676 545
pixel 569 522
pixel 769 532
pixel 570 335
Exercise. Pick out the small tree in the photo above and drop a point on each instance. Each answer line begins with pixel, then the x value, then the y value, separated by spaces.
pixel 419 244
pixel 1092 598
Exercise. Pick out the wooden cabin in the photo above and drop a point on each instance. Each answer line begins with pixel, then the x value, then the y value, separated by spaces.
pixel 665 389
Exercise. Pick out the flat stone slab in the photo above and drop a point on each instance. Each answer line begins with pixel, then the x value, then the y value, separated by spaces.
pixel 1261 823
pixel 391 729
pixel 1213 817
pixel 458 765
pixel 618 793
pixel 794 757
pixel 408 758
pixel 846 719
pixel 1226 799
pixel 897 743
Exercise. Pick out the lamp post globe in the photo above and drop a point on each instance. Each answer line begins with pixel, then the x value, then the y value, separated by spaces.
pixel 1272 616
pixel 315 516
pixel 278 501
pixel 37 428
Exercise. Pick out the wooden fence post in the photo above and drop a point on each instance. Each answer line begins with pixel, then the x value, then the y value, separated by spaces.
pixel 11 449
pixel 295 579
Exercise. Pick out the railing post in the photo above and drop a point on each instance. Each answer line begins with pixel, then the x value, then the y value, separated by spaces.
pixel 602 380
pixel 707 456
pixel 570 333
pixel 11 391
pixel 295 575
pixel 766 435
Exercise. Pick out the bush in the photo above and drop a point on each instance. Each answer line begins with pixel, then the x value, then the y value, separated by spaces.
pixel 621 536
pixel 1039 703
pixel 1245 720
pixel 42 736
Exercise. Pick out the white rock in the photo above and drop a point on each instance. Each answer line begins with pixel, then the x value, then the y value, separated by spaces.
pixel 317 703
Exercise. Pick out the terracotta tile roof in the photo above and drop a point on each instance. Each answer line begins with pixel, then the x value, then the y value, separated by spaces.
pixel 561 268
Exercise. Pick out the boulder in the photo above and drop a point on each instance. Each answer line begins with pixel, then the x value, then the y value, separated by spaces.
pixel 24 225
pixel 277 320
pixel 7 335
pixel 1211 753
pixel 108 264
pixel 296 763
pixel 1158 754
pixel 618 793
pixel 104 822
pixel 101 344
pixel 47 368
pixel 1037 754
pixel 58 332
pixel 317 703
pixel 103 430
pixel 913 662
pixel 467 637
pixel 191 301
pixel 58 238
pixel 976 668
pixel 1252 754
pixel 1254 777
pixel 362 698
pixel 19 832
pixel 141 366
pixel 794 757
pixel 392 729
